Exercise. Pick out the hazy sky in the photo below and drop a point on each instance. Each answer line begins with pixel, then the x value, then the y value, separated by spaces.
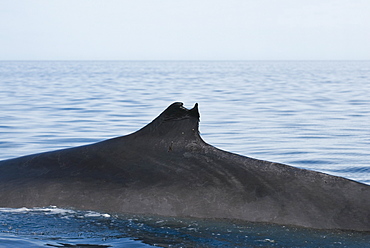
pixel 184 29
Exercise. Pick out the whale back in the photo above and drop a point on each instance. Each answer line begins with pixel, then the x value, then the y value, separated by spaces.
pixel 166 168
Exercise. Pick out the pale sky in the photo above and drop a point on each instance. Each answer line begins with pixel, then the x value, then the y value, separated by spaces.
pixel 184 29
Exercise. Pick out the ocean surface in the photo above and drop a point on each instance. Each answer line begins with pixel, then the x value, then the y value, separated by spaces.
pixel 308 114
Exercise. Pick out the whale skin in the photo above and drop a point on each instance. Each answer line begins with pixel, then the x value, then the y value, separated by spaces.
pixel 167 169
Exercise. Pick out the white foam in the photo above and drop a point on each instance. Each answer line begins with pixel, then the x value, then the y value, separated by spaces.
pixel 54 210
pixel 47 210
pixel 14 210
pixel 96 214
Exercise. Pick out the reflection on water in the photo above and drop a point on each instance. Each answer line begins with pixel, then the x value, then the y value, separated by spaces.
pixel 56 227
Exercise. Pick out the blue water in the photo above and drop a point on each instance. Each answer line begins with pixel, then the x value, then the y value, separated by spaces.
pixel 309 114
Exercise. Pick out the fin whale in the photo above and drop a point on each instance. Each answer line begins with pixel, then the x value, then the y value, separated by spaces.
pixel 166 169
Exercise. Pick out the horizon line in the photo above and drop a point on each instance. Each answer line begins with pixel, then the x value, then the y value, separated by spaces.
pixel 173 60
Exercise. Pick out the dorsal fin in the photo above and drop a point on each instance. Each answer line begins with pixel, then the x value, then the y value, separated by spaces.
pixel 176 120
pixel 177 111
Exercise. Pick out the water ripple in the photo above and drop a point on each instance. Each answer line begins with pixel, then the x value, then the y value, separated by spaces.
pixel 311 114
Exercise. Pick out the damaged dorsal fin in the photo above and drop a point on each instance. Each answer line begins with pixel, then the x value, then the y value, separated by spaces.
pixel 176 111
pixel 175 120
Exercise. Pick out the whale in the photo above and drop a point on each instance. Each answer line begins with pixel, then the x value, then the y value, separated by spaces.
pixel 167 169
